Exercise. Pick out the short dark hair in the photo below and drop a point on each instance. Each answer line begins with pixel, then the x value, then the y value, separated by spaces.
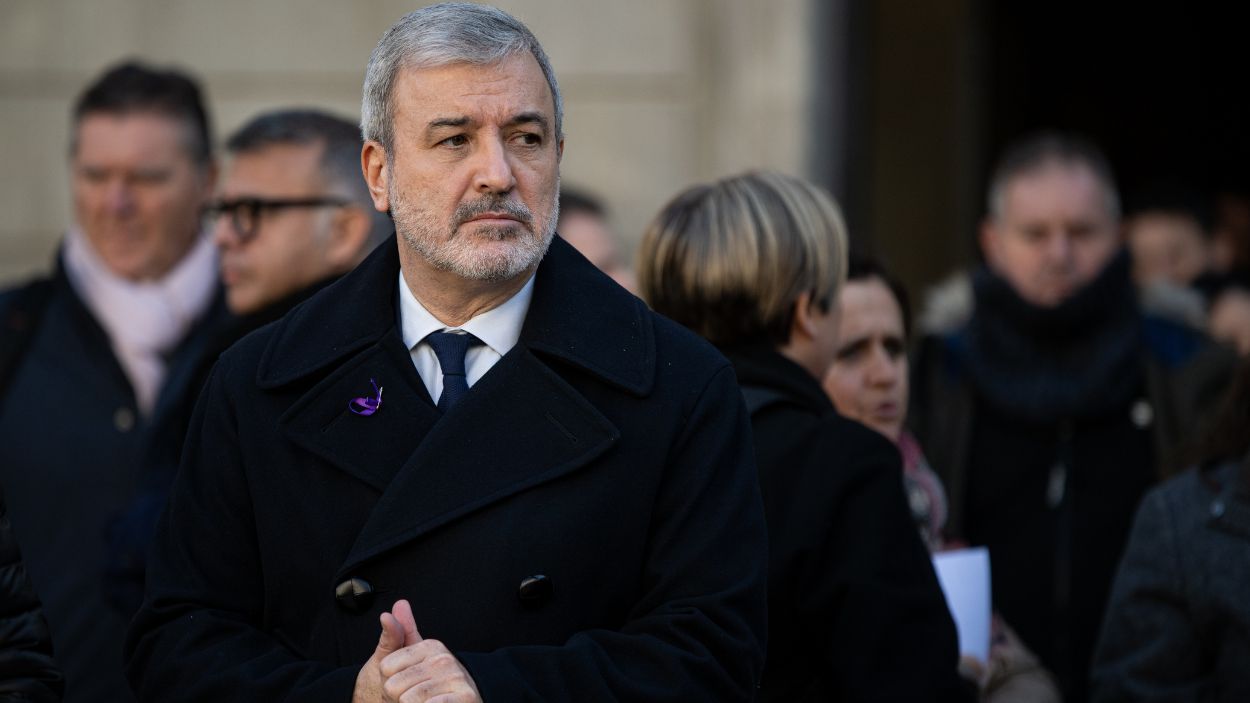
pixel 574 201
pixel 1037 150
pixel 340 139
pixel 1174 197
pixel 133 87
pixel 861 267
pixel 340 157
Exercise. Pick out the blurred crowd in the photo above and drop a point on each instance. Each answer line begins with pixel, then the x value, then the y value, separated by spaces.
pixel 1078 402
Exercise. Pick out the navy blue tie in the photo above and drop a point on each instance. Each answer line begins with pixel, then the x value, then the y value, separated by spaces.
pixel 450 349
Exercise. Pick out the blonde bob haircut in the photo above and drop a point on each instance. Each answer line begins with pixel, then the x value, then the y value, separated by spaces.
pixel 730 259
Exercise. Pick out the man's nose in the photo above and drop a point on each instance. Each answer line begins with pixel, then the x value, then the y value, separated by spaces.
pixel 1059 248
pixel 119 198
pixel 494 169
pixel 224 234
pixel 882 371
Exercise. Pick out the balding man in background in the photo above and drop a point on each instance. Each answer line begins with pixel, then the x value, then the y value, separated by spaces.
pixel 1056 402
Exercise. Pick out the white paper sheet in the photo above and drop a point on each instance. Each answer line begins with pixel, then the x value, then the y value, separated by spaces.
pixel 965 578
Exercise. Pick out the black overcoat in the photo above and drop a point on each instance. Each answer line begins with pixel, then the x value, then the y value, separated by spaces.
pixel 607 453
pixel 855 610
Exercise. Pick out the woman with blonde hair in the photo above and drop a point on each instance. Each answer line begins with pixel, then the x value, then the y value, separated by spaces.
pixel 754 263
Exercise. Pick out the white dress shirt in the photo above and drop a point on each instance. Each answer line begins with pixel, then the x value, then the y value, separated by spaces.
pixel 498 328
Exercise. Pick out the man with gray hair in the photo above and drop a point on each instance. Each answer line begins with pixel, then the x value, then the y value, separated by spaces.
pixel 473 468
pixel 1055 402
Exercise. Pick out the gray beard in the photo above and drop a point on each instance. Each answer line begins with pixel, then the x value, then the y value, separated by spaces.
pixel 457 255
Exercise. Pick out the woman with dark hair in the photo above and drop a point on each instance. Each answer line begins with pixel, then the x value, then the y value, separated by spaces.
pixel 868 382
pixel 1178 622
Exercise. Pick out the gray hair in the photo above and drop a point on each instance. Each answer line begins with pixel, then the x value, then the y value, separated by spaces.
pixel 1046 148
pixel 438 35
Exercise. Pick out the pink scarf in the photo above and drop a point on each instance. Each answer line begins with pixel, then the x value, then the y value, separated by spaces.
pixel 146 320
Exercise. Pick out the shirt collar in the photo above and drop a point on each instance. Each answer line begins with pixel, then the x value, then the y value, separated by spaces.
pixel 498 328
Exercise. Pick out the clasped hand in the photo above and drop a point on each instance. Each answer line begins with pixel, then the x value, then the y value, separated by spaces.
pixel 406 668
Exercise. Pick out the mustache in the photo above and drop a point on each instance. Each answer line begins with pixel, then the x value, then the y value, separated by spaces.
pixel 492 203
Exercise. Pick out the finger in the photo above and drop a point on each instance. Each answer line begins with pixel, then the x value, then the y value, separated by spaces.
pixel 392 637
pixel 402 610
pixel 419 660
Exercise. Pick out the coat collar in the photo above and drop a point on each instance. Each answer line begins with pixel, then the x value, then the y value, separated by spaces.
pixel 577 315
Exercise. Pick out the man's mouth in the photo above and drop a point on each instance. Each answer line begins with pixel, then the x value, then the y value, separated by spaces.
pixel 493 218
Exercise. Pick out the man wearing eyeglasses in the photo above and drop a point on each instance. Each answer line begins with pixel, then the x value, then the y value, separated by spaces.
pixel 293 215
pixel 94 357
pixel 294 212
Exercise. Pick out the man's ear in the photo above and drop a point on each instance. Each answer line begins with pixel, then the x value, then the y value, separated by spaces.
pixel 208 180
pixel 349 237
pixel 987 237
pixel 560 150
pixel 377 174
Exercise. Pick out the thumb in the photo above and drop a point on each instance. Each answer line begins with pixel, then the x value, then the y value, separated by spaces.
pixel 402 612
pixel 392 637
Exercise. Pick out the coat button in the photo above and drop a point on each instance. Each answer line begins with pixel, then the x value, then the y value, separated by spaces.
pixel 354 595
pixel 535 590
pixel 124 419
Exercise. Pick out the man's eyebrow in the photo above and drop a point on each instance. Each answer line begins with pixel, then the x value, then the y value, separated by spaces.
pixel 447 122
pixel 530 118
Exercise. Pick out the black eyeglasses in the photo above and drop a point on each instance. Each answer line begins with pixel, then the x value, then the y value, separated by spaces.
pixel 245 212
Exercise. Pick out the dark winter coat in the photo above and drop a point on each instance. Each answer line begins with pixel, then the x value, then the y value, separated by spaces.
pixel 71 448
pixel 1047 426
pixel 585 524
pixel 1178 622
pixel 855 610
pixel 27 671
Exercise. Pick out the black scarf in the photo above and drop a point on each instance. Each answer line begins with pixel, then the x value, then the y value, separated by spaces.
pixel 1077 360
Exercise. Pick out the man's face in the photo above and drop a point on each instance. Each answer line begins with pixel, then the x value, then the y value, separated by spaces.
pixel 590 235
pixel 290 248
pixel 1166 246
pixel 473 173
pixel 1055 233
pixel 138 194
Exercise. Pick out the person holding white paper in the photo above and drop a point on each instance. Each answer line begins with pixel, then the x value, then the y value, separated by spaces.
pixel 868 382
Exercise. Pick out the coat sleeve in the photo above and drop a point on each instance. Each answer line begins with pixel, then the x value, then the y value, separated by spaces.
pixel 891 636
pixel 27 672
pixel 195 637
pixel 697 633
pixel 1150 648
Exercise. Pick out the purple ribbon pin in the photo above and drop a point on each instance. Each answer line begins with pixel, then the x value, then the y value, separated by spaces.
pixel 367 406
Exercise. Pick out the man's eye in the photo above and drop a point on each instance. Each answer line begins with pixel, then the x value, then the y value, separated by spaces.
pixel 529 139
pixel 851 351
pixel 151 177
pixel 92 175
pixel 457 140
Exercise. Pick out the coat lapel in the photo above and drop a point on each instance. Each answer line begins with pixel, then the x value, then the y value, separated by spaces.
pixel 520 426
pixel 371 448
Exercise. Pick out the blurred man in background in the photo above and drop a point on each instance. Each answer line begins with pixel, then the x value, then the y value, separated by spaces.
pixel 1055 403
pixel 95 356
pixel 584 224
pixel 294 212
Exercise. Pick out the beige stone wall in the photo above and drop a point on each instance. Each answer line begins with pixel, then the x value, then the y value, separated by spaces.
pixel 659 93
